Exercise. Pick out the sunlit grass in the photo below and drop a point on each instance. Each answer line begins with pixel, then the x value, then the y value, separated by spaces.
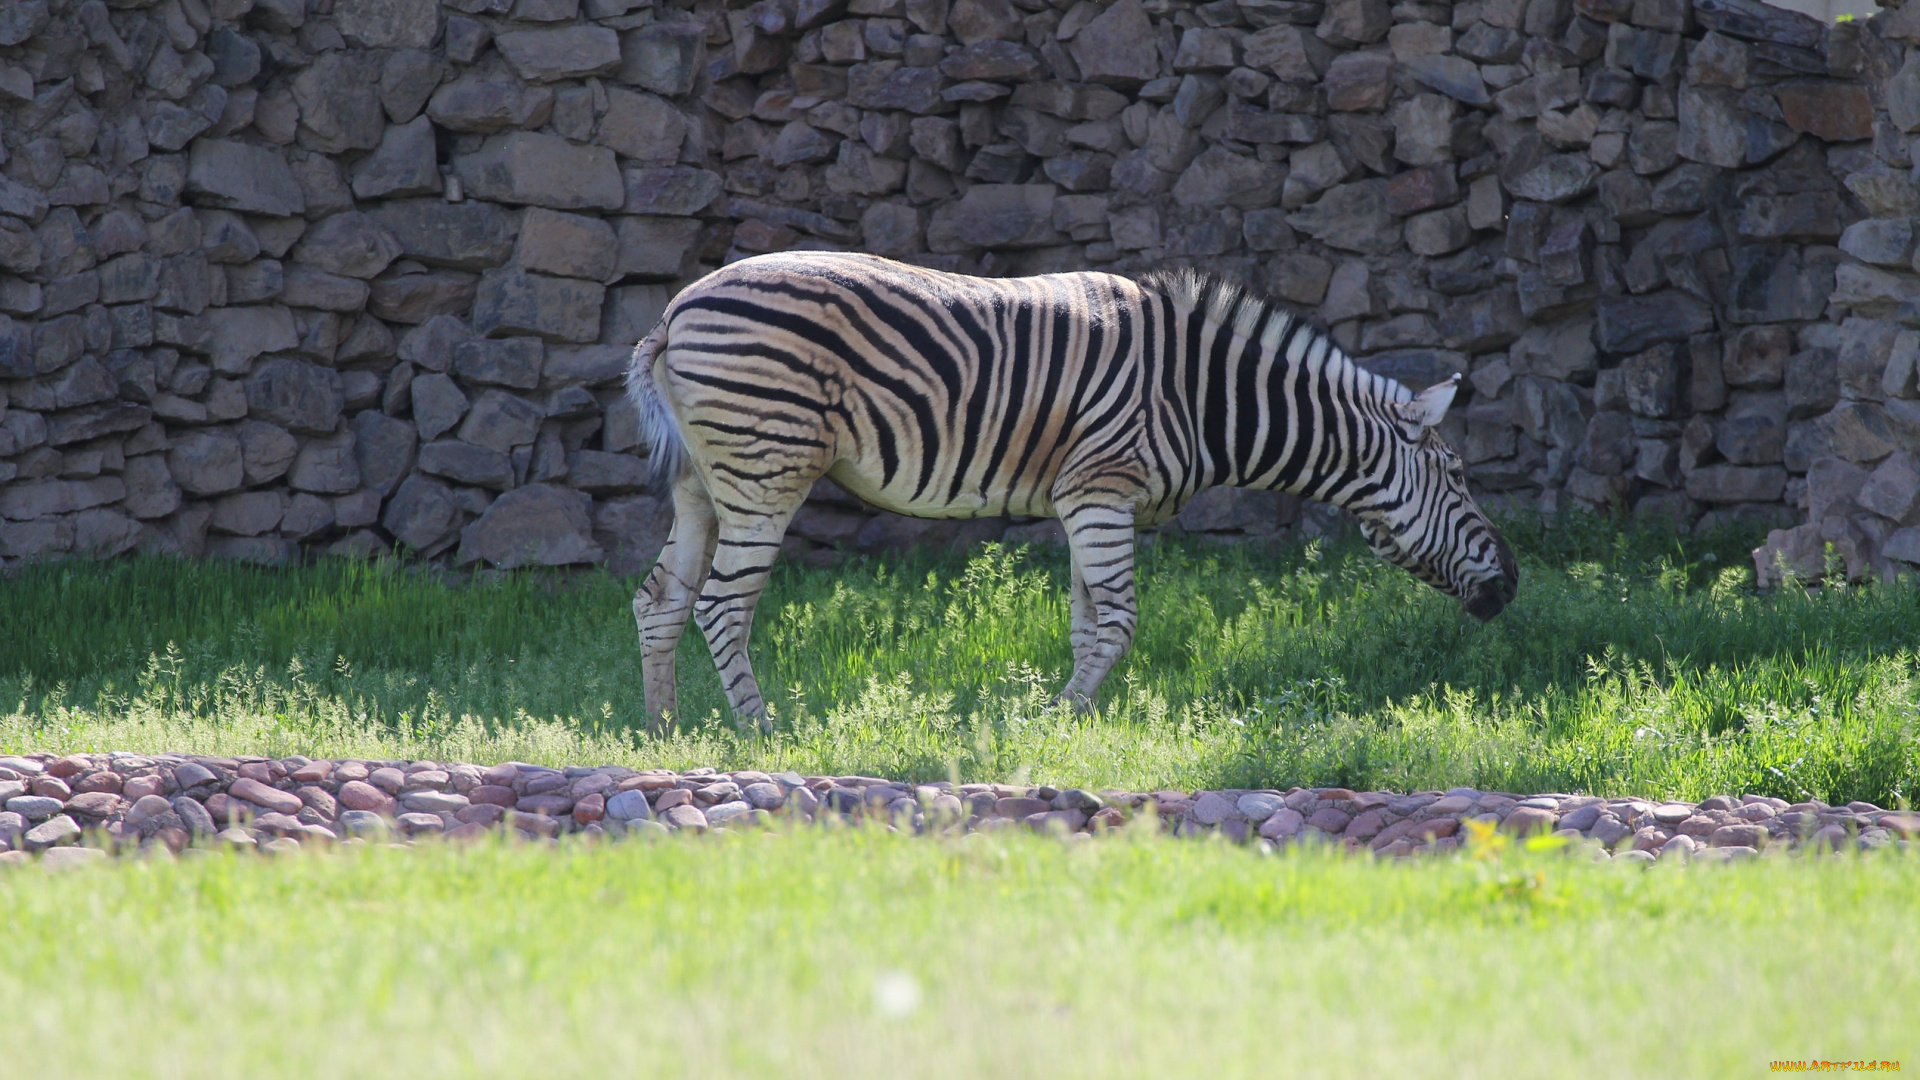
pixel 1631 662
pixel 862 953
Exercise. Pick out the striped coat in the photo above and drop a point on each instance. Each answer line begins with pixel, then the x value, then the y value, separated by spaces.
pixel 1100 400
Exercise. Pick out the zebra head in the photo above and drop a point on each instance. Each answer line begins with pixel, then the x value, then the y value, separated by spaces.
pixel 1425 521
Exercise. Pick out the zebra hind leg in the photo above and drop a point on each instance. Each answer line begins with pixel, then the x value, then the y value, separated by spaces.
pixel 1101 540
pixel 661 605
pixel 744 556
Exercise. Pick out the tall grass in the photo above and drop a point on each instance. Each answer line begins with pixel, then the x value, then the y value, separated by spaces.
pixel 1631 662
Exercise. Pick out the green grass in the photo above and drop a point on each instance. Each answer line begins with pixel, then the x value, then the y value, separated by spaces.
pixel 800 955
pixel 1631 663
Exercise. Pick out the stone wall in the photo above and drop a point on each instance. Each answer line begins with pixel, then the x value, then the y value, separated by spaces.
pixel 351 274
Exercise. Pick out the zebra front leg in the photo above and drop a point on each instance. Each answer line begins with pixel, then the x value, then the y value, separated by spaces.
pixel 1085 624
pixel 661 605
pixel 741 562
pixel 1101 540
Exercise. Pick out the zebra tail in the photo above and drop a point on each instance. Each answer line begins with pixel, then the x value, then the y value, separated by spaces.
pixel 666 448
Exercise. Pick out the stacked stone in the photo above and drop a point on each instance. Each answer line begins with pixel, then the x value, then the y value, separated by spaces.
pixel 348 275
pixel 343 275
pixel 1862 493
pixel 82 806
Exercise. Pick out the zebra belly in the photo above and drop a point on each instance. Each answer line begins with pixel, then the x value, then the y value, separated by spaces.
pixel 863 480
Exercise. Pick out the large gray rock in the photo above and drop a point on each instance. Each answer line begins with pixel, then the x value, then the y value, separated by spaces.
pixel 248 513
pixel 490 99
pixel 241 176
pixel 996 216
pixel 206 462
pixel 349 244
pixel 542 170
pixel 677 191
pixel 438 404
pixel 339 101
pixel 1219 177
pixel 1627 324
pixel 404 163
pixel 388 24
pixel 551 54
pixel 566 245
pixel 642 127
pixel 414 298
pixel 632 529
pixel 326 466
pixel 239 334
pixel 1351 217
pixel 507 362
pixel 304 286
pixel 421 513
pixel 512 302
pixel 889 85
pixel 266 451
pixel 1713 126
pixel 384 450
pixel 537 525
pixel 664 57
pixel 151 492
pixel 501 421
pixel 654 248
pixel 297 395
pixel 1118 47
pixel 604 473
pixel 468 235
pixel 466 463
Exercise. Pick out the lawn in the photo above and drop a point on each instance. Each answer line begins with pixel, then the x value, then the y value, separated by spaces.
pixel 1631 663
pixel 863 954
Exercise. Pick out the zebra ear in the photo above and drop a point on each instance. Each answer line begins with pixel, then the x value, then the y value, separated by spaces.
pixel 1429 407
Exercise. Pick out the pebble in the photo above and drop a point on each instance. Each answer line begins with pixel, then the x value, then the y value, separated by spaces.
pixel 363 823
pixel 192 774
pixel 56 830
pixel 1212 808
pixel 1526 820
pixel 684 816
pixel 764 795
pixel 67 858
pixel 1258 806
pixel 1672 813
pixel 128 805
pixel 728 812
pixel 267 798
pixel 35 807
pixel 629 806
pixel 433 802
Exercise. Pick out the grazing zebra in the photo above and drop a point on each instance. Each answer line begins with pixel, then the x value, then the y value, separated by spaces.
pixel 1103 401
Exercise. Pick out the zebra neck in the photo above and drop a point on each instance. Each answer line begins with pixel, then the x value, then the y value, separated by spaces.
pixel 1271 402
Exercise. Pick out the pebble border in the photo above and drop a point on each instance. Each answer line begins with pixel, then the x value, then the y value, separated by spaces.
pixel 72 809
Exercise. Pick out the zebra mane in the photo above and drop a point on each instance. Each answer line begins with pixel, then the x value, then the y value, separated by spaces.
pixel 1189 288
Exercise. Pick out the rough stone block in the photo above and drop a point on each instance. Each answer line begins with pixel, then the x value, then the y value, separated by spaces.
pixel 508 362
pixel 542 170
pixel 244 177
pixel 642 127
pixel 206 462
pixel 297 395
pixel 663 57
pixel 566 245
pixel 512 302
pixel 421 513
pixel 537 525
pixel 556 53
pixel 468 235
pixel 405 163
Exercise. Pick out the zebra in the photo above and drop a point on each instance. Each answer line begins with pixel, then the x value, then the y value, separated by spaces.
pixel 1104 401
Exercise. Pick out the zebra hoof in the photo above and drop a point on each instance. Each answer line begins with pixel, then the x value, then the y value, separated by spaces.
pixel 1081 704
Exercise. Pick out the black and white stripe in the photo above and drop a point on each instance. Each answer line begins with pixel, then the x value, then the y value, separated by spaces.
pixel 1104 401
